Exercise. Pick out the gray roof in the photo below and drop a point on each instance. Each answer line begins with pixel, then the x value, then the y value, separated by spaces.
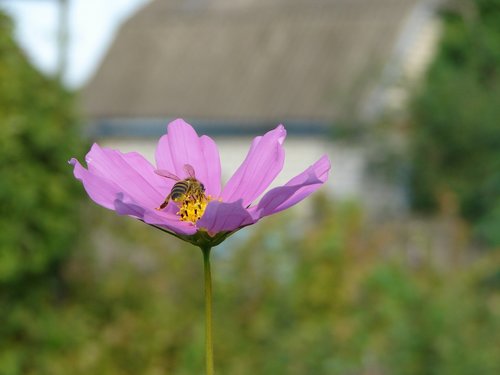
pixel 245 60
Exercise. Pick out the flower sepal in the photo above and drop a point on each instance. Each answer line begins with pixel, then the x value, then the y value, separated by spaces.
pixel 201 238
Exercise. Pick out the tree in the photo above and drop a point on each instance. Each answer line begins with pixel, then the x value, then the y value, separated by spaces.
pixel 456 114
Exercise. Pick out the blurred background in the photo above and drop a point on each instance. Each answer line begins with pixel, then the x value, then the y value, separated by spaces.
pixel 392 268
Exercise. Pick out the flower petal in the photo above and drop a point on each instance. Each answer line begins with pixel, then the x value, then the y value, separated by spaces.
pixel 224 217
pixel 295 190
pixel 130 173
pixel 168 221
pixel 100 190
pixel 263 163
pixel 181 145
pixel 212 166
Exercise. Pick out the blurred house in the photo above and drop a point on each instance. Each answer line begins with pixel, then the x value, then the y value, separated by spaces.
pixel 237 68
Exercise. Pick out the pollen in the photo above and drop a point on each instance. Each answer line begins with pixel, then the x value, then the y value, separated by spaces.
pixel 192 208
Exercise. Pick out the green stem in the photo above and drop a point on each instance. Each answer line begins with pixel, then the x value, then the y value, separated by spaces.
pixel 209 351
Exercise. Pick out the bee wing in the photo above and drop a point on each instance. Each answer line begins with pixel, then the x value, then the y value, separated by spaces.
pixel 189 170
pixel 167 174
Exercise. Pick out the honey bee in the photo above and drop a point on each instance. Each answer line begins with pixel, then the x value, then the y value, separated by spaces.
pixel 188 188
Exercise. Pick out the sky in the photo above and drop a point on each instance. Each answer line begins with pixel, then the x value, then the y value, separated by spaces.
pixel 92 27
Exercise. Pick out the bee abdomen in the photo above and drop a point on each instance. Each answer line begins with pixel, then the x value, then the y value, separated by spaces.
pixel 179 190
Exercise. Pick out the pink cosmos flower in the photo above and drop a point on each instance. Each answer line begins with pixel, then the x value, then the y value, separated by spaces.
pixel 204 213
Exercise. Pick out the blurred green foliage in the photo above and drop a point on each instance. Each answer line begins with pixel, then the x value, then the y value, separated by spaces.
pixel 37 137
pixel 334 297
pixel 456 138
pixel 38 200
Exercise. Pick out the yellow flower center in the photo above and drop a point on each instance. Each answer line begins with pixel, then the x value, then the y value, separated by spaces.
pixel 192 208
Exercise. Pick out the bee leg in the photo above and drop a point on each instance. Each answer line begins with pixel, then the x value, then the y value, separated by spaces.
pixel 164 204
